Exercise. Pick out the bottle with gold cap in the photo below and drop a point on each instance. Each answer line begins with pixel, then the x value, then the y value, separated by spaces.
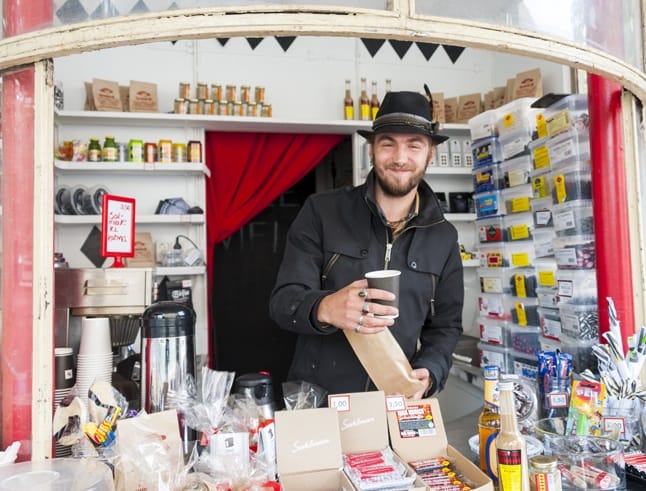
pixel 364 102
pixel 489 420
pixel 374 101
pixel 348 103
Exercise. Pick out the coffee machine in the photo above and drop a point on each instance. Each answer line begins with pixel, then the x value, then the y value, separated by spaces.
pixel 122 295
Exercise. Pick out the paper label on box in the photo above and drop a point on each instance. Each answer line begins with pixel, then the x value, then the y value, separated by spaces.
pixel 558 123
pixel 566 288
pixel 562 151
pixel 541 126
pixel 519 283
pixel 559 186
pixel 491 285
pixel 516 178
pixel 541 157
pixel 519 232
pixel 395 403
pixel 543 217
pixel 491 334
pixel 551 328
pixel 520 259
pixel 416 421
pixel 564 221
pixel 539 185
pixel 520 314
pixel 518 205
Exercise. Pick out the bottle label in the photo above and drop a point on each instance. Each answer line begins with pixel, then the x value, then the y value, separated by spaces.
pixel 94 155
pixel 491 393
pixel 110 154
pixel 510 470
pixel 349 112
pixel 365 111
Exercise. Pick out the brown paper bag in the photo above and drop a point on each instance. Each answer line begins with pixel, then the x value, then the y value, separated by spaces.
pixel 106 95
pixel 143 97
pixel 438 107
pixel 450 109
pixel 141 439
pixel 487 101
pixel 89 98
pixel 528 84
pixel 385 362
pixel 124 94
pixel 498 96
pixel 144 254
pixel 509 90
pixel 468 106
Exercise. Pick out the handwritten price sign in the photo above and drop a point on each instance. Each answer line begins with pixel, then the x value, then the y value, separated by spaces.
pixel 118 228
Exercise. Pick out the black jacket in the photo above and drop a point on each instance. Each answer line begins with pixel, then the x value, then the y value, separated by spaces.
pixel 337 237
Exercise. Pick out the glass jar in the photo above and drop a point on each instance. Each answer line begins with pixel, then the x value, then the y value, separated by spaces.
pixel 259 95
pixel 216 92
pixel 180 106
pixel 231 93
pixel 184 90
pixel 94 150
pixel 110 150
pixel 193 106
pixel 135 151
pixel 179 152
pixel 202 91
pixel 544 474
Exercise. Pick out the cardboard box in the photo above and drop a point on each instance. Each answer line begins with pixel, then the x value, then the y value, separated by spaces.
pixel 427 439
pixel 363 424
pixel 308 450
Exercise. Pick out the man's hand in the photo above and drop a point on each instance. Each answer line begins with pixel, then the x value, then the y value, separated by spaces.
pixel 351 308
pixel 423 375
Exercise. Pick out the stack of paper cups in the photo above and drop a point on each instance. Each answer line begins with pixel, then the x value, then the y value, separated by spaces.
pixel 64 381
pixel 94 361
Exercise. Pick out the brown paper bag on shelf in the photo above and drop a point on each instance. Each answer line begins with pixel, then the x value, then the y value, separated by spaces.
pixel 450 109
pixel 385 362
pixel 438 107
pixel 89 97
pixel 528 84
pixel 468 106
pixel 144 254
pixel 124 94
pixel 106 95
pixel 509 90
pixel 498 96
pixel 143 97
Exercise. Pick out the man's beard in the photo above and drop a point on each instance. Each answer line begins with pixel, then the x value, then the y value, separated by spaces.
pixel 398 189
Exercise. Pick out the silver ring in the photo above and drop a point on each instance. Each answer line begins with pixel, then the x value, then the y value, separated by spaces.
pixel 361 317
pixel 357 329
pixel 366 308
pixel 363 293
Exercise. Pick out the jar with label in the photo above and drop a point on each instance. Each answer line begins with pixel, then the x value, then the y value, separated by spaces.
pixel 150 152
pixel 216 92
pixel 223 107
pixel 238 109
pixel 194 106
pixel 266 111
pixel 260 95
pixel 184 90
pixel 245 94
pixel 179 152
pixel 194 151
pixel 94 150
pixel 231 93
pixel 165 151
pixel 202 91
pixel 209 107
pixel 180 106
pixel 544 474
pixel 110 150
pixel 135 151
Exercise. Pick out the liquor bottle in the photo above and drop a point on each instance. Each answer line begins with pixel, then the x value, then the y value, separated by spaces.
pixel 489 420
pixel 364 102
pixel 348 103
pixel 388 85
pixel 511 448
pixel 374 101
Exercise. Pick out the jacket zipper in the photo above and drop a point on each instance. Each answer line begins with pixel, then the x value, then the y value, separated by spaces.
pixel 433 283
pixel 328 267
pixel 389 243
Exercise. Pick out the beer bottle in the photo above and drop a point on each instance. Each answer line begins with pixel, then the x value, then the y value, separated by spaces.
pixel 374 101
pixel 364 102
pixel 348 103
pixel 388 85
pixel 489 419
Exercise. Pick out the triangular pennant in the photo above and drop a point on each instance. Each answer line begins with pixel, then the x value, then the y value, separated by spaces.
pixel 223 41
pixel 454 52
pixel 253 42
pixel 373 45
pixel 285 41
pixel 427 49
pixel 400 47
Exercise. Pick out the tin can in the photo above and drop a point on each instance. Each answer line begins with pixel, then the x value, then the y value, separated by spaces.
pixel 194 151
pixel 165 151
pixel 150 152
pixel 179 152
pixel 180 106
pixel 260 95
pixel 193 106
pixel 202 91
pixel 216 92
pixel 184 90
pixel 135 151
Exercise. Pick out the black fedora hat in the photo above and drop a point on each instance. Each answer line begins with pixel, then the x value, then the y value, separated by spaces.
pixel 405 112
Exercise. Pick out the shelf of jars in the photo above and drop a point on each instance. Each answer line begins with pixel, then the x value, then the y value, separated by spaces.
pixel 139 219
pixel 135 167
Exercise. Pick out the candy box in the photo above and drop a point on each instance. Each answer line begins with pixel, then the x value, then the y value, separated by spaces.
pixel 417 435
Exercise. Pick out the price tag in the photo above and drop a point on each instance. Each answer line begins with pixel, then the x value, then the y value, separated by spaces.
pixel 339 402
pixel 186 218
pixel 149 166
pixel 395 403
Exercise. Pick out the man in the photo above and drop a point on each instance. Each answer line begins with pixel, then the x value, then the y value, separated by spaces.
pixel 392 221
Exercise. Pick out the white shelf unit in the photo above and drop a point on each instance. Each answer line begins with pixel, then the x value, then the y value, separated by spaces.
pixel 148 183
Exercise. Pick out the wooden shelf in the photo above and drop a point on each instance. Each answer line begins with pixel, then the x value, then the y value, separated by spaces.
pixel 139 219
pixel 127 167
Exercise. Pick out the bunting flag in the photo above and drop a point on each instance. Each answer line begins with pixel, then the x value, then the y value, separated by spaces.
pixel 253 42
pixel 373 45
pixel 223 41
pixel 454 52
pixel 285 41
pixel 400 47
pixel 427 49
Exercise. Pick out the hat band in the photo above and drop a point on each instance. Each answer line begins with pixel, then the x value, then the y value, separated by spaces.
pixel 404 119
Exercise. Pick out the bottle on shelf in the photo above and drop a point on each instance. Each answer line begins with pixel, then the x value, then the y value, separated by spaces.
pixel 489 419
pixel 511 448
pixel 348 103
pixel 94 150
pixel 110 150
pixel 374 101
pixel 388 85
pixel 364 102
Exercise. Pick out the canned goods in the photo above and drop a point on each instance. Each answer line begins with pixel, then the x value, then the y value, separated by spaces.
pixel 135 151
pixel 260 95
pixel 194 151
pixel 216 92
pixel 184 90
pixel 165 151
pixel 150 152
pixel 179 152
pixel 202 91
pixel 193 106
pixel 181 105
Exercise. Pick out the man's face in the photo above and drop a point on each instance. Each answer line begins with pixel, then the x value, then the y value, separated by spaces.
pixel 400 161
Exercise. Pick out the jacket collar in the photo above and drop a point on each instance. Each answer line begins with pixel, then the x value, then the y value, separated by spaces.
pixel 429 207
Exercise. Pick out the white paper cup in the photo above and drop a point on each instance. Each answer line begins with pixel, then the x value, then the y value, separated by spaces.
pixel 95 336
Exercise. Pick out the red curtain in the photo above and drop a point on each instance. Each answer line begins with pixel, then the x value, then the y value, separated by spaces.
pixel 248 172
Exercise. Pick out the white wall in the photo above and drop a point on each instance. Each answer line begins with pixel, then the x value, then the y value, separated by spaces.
pixel 306 82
